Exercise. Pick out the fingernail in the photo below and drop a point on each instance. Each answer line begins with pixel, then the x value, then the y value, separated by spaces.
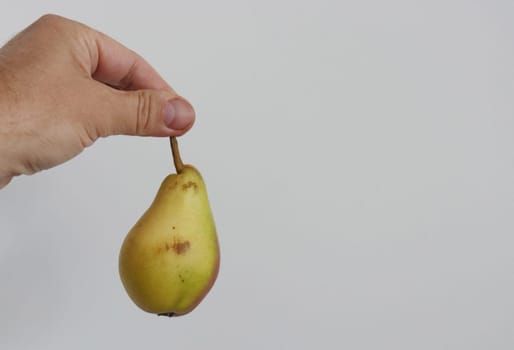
pixel 178 114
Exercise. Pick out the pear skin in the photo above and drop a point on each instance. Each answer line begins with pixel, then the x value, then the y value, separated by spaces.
pixel 169 260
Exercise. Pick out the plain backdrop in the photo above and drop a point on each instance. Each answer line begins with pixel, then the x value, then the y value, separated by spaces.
pixel 359 157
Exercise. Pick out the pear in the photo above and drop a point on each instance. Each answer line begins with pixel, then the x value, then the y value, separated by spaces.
pixel 169 260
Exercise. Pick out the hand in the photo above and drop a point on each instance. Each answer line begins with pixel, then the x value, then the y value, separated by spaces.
pixel 63 85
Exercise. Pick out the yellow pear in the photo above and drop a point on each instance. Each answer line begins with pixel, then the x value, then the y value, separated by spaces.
pixel 170 258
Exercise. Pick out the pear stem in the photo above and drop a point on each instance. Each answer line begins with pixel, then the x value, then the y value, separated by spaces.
pixel 179 166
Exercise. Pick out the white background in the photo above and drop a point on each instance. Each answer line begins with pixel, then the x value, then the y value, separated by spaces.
pixel 359 157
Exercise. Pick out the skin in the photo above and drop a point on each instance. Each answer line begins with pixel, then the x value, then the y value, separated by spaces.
pixel 63 85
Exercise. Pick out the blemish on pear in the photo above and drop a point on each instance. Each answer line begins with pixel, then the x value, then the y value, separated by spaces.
pixel 180 247
pixel 190 184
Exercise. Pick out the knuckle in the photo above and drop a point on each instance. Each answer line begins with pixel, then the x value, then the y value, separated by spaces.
pixel 145 109
pixel 51 25
pixel 89 135
pixel 30 167
pixel 49 18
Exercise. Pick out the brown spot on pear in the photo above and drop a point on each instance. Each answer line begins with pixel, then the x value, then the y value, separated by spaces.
pixel 180 247
pixel 190 184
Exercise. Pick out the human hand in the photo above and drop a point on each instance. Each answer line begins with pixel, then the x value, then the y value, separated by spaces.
pixel 63 85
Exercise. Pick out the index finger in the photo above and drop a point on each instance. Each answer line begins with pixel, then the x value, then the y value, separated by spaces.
pixel 122 68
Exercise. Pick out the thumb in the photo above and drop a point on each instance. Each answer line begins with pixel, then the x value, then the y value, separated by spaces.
pixel 146 113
